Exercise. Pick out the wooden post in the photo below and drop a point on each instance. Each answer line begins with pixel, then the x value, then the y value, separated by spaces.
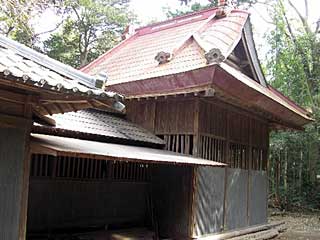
pixel 26 170
pixel 226 160
pixel 249 170
pixel 225 199
pixel 14 171
pixel 196 136
pixel 195 152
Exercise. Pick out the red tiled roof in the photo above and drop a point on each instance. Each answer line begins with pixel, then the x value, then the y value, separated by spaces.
pixel 190 42
pixel 187 38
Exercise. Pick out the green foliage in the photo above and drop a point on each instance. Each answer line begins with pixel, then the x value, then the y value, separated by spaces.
pixel 92 27
pixel 196 6
pixel 293 64
pixel 16 17
pixel 192 8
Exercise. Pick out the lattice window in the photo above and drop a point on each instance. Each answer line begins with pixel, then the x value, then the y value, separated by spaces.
pixel 238 155
pixel 129 171
pixel 87 169
pixel 41 165
pixel 259 159
pixel 80 168
pixel 181 143
pixel 212 148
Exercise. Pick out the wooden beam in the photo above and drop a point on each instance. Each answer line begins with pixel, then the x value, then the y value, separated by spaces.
pixel 50 101
pixel 13 121
pixel 102 103
pixel 12 97
pixel 44 119
pixel 57 105
pixel 240 232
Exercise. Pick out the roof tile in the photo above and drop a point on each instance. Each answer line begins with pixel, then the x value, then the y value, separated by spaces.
pixel 135 59
pixel 101 123
pixel 19 62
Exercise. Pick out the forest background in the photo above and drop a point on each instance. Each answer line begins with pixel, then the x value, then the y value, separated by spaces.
pixel 290 57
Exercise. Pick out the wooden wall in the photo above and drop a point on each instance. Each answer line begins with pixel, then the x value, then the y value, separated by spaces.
pixel 70 192
pixel 214 130
pixel 15 125
pixel 163 117
pixel 208 211
pixel 65 203
pixel 171 192
pixel 207 128
pixel 233 136
pixel 12 164
pixel 228 199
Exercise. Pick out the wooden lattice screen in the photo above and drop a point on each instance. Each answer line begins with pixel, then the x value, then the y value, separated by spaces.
pixel 87 169
pixel 181 143
pixel 212 148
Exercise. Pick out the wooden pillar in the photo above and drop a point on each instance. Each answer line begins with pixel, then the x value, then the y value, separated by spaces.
pixel 195 152
pixel 14 174
pixel 227 161
pixel 196 135
pixel 250 150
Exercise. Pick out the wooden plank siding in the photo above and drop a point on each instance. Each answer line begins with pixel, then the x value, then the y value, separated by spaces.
pixel 15 126
pixel 171 195
pixel 12 150
pixel 163 117
pixel 205 127
pixel 84 191
pixel 211 129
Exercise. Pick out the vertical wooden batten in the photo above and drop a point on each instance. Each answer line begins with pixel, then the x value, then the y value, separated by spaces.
pixel 15 127
pixel 195 152
pixel 26 170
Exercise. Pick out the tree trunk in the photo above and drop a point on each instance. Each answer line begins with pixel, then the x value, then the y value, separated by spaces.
pixel 277 175
pixel 300 173
pixel 285 177
pixel 313 158
pixel 83 58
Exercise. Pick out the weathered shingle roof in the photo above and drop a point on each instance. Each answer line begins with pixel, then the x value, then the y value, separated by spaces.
pixel 188 40
pixel 32 68
pixel 109 151
pixel 195 52
pixel 101 124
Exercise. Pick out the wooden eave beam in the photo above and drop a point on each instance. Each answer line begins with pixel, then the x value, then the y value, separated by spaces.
pixel 13 121
pixel 44 119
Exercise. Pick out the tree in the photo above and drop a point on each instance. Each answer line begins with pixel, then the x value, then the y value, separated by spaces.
pixel 16 16
pixel 91 28
pixel 196 6
pixel 293 64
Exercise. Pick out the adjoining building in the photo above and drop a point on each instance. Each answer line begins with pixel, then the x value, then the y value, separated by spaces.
pixel 62 174
pixel 97 174
pixel 195 81
pixel 32 86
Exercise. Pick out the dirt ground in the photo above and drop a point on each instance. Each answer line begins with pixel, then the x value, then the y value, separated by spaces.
pixel 300 226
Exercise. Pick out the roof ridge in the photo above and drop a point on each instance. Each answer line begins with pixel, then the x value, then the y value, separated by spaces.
pixel 48 62
pixel 187 15
pixel 176 22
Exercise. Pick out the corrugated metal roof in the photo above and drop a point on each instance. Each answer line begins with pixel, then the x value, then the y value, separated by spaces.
pixel 111 151
pixel 187 39
pixel 35 69
pixel 104 124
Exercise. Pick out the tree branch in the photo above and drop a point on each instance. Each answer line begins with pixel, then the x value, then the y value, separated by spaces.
pixel 262 17
pixel 51 30
pixel 302 19
pixel 306 8
pixel 301 52
pixel 317 27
